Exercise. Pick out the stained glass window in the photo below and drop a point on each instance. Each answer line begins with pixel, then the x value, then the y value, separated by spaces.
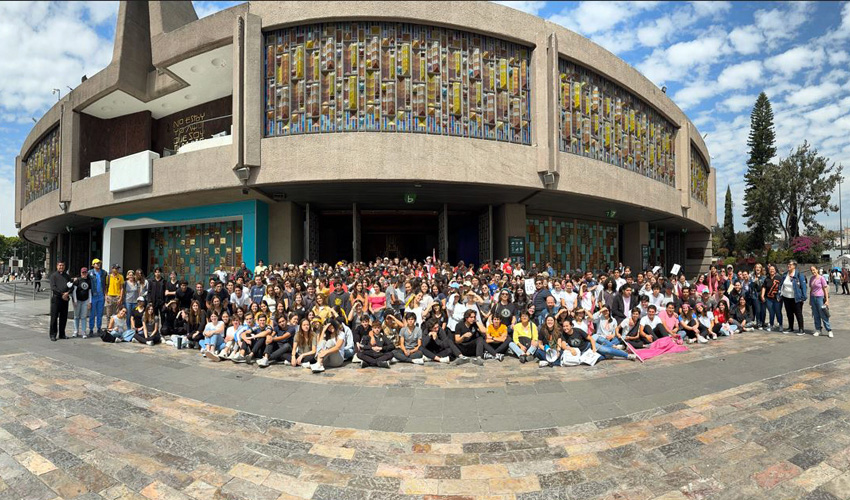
pixel 396 77
pixel 602 120
pixel 699 177
pixel 572 243
pixel 41 167
pixel 194 251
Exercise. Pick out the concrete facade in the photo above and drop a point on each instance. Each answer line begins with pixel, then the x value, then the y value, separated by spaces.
pixel 151 36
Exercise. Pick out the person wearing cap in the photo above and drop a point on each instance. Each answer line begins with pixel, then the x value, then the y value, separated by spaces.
pixel 60 288
pixel 136 316
pixel 81 302
pixel 114 291
pixel 97 276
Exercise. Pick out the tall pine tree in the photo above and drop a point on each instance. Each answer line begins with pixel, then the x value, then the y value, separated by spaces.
pixel 728 223
pixel 759 209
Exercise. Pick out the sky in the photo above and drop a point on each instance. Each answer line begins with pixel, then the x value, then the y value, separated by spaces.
pixel 714 58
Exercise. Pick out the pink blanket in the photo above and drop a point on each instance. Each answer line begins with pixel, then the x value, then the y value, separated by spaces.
pixel 659 347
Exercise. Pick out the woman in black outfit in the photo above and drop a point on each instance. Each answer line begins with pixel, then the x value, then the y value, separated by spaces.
pixel 376 349
pixel 196 323
pixel 435 343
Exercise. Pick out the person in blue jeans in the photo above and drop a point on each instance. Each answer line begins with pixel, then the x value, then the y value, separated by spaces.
pixel 581 340
pixel 819 300
pixel 98 281
pixel 770 295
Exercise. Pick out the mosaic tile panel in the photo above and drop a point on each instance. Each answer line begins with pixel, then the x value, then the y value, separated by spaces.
pixel 396 77
pixel 41 167
pixel 576 244
pixel 537 240
pixel 609 252
pixel 602 120
pixel 585 238
pixel 194 251
pixel 563 244
pixel 699 177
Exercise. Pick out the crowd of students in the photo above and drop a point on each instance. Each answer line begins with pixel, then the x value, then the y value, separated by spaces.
pixel 320 316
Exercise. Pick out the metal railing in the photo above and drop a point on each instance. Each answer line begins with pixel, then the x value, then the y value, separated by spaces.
pixel 24 290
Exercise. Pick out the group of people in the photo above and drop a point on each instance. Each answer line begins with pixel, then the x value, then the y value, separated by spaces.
pixel 321 316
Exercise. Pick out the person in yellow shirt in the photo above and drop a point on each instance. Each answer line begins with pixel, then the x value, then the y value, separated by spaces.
pixel 496 341
pixel 525 340
pixel 114 291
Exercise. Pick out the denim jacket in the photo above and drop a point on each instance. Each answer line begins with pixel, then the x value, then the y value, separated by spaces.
pixel 799 284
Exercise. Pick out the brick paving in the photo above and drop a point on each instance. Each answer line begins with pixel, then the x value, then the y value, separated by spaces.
pixel 70 430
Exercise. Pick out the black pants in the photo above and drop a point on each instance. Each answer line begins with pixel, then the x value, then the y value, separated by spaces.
pixel 496 347
pixel 278 351
pixel 656 333
pixel 58 316
pixel 140 338
pixel 438 348
pixel 372 358
pixel 257 347
pixel 844 289
pixel 793 309
pixel 471 347
pixel 404 358
pixel 690 333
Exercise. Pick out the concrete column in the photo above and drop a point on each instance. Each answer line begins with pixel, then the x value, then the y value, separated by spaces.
pixel 635 235
pixel 683 165
pixel 508 221
pixel 69 128
pixel 19 189
pixel 286 232
pixel 698 252
pixel 248 91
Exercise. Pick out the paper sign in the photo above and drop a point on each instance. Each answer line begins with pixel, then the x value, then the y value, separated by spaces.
pixel 529 286
pixel 656 269
pixel 675 270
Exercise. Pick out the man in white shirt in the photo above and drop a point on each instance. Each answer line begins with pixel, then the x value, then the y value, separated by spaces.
pixel 618 280
pixel 651 324
pixel 570 297
pixel 239 298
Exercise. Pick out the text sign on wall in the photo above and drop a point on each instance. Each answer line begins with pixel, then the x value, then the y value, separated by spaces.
pixel 516 246
pixel 189 128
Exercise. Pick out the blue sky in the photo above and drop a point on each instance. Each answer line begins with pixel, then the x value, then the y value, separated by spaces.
pixel 714 58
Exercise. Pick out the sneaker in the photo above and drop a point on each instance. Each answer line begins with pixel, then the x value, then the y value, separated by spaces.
pixel 239 358
pixel 462 360
pixel 767 328
pixel 816 334
pixel 74 335
pixel 84 336
pixel 118 339
pixel 263 362
pixel 543 364
pixel 286 362
pixel 418 361
pixel 631 357
pixel 355 359
pixel 800 332
pixel 523 358
pixel 488 356
pixel 233 356
pixel 149 342
pixel 444 359
pixel 787 330
pixel 713 336
pixel 829 333
pixel 691 341
pixel 222 354
pixel 384 364
pixel 500 357
pixel 620 347
pixel 702 340
pixel 749 329
pixel 393 361
pixel 305 365
pixel 317 368
pixel 169 342
pixel 477 361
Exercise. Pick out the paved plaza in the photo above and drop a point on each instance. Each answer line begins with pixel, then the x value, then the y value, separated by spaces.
pixel 755 416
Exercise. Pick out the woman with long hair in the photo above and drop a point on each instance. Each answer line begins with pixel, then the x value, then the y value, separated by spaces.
pixel 377 302
pixel 195 324
pixel 304 347
pixel 772 297
pixel 705 320
pixel 819 300
pixel 149 333
pixel 376 348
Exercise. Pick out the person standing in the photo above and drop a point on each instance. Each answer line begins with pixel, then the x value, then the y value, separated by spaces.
pixel 80 298
pixel 819 300
pixel 114 290
pixel 60 289
pixel 845 280
pixel 793 292
pixel 97 277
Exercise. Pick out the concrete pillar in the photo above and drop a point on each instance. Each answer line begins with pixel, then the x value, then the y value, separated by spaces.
pixel 508 221
pixel 635 236
pixel 698 252
pixel 69 140
pixel 286 232
pixel 19 189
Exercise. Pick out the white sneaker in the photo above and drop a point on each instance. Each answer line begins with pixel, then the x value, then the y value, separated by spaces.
pixel 393 361
pixel 317 368
pixel 286 362
pixel 631 357
pixel 500 357
pixel 263 362
pixel 691 341
pixel 543 364
pixel 816 334
pixel 306 365
pixel 829 333
pixel 118 339
pixel 149 342
pixel 444 359
pixel 74 335
pixel 487 355
pixel 355 359
pixel 169 342
pixel 418 361
pixel 233 356
pixel 702 340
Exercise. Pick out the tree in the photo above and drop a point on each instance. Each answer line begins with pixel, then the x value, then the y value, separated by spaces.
pixel 759 207
pixel 804 183
pixel 729 223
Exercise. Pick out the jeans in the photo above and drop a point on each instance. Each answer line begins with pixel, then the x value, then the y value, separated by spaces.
pixel 606 348
pixel 837 283
pixel 516 350
pixel 774 307
pixel 96 315
pixel 818 315
pixel 216 341
pixel 81 313
pixel 130 306
pixel 347 353
pixel 757 306
pixel 127 335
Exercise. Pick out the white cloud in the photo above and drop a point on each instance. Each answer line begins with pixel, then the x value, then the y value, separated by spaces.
pixel 693 94
pixel 530 7
pixel 793 60
pixel 676 62
pixel 710 9
pixel 7 205
pixel 812 94
pixel 746 39
pixel 597 17
pixel 740 76
pixel 782 23
pixel 838 57
pixel 738 102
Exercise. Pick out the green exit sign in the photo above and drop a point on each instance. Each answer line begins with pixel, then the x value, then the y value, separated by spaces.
pixel 611 214
pixel 410 198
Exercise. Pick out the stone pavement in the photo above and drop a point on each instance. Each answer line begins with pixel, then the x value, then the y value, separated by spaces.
pixel 755 416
